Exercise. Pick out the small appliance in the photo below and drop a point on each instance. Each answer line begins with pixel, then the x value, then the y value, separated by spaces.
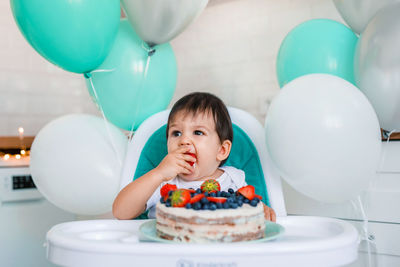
pixel 25 215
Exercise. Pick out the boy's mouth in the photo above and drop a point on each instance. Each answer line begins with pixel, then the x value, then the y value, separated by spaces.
pixel 193 155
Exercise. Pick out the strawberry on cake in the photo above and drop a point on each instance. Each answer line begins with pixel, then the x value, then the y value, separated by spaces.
pixel 209 215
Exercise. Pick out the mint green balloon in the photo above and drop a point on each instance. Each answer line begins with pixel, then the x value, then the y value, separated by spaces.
pixel 126 97
pixel 317 46
pixel 74 35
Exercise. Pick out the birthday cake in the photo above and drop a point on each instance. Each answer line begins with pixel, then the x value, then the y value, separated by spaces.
pixel 209 215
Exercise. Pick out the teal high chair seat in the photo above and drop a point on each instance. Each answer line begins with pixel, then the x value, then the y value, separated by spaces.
pixel 307 240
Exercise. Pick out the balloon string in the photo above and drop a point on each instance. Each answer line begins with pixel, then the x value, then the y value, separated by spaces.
pixel 364 232
pixel 382 161
pixel 369 239
pixel 149 54
pixel 97 101
pixel 387 144
pixel 94 71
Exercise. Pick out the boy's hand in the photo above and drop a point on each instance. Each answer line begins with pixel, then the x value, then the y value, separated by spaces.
pixel 269 213
pixel 176 162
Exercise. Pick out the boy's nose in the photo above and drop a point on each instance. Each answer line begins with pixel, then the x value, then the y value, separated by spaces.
pixel 184 141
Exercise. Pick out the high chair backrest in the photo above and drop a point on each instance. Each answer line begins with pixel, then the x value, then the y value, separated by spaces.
pixel 249 153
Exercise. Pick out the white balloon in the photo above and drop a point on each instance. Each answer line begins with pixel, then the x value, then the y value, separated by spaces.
pixel 324 137
pixel 377 66
pixel 357 13
pixel 159 21
pixel 76 163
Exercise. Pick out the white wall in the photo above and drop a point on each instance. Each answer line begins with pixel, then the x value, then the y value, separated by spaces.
pixel 32 90
pixel 230 51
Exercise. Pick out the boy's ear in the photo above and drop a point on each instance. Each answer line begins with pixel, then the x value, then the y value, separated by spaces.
pixel 224 150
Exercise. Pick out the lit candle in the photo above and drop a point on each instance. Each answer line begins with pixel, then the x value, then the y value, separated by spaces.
pixel 21 137
pixel 21 132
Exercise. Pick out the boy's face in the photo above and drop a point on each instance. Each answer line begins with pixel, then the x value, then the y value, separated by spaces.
pixel 199 135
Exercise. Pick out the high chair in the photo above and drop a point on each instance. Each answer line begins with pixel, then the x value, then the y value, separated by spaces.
pixel 307 241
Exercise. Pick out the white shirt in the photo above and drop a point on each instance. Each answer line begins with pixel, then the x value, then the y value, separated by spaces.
pixel 231 178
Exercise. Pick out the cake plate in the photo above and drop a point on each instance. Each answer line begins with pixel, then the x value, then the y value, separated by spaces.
pixel 307 241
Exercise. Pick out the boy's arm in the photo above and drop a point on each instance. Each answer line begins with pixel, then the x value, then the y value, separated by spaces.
pixel 131 201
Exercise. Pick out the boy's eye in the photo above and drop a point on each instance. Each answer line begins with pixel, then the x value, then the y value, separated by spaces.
pixel 176 133
pixel 198 132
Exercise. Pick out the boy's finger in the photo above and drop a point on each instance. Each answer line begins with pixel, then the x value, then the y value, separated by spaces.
pixel 186 166
pixel 185 171
pixel 273 215
pixel 182 149
pixel 179 150
pixel 267 214
pixel 188 157
pixel 189 167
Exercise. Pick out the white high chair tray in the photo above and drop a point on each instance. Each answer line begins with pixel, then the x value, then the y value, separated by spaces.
pixel 307 241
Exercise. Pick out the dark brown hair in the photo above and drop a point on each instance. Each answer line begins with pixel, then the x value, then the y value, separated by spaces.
pixel 205 102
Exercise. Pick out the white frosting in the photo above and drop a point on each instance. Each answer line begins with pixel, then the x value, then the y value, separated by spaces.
pixel 247 220
pixel 202 229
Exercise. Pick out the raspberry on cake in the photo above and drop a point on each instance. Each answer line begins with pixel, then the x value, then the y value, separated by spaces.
pixel 226 217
